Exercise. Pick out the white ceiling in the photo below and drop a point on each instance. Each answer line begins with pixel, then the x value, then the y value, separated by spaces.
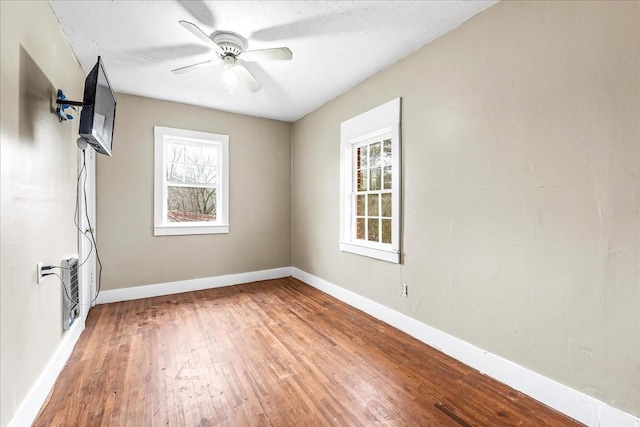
pixel 335 44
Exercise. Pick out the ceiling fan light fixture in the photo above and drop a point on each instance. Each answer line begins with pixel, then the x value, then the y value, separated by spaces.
pixel 228 60
pixel 229 80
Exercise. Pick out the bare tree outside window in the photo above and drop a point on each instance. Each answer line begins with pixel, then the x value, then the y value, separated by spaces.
pixel 373 193
pixel 191 173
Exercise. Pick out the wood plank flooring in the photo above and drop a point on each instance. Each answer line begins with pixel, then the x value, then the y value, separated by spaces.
pixel 271 353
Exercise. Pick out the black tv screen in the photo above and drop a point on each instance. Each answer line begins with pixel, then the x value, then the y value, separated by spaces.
pixel 98 111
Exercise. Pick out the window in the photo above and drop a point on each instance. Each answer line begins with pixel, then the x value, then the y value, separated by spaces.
pixel 370 183
pixel 191 188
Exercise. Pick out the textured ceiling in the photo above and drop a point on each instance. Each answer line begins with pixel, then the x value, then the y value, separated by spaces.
pixel 335 44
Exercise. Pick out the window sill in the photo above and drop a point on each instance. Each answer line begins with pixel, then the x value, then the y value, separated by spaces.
pixel 190 228
pixel 389 255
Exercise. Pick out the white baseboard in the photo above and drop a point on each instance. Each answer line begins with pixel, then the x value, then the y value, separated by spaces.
pixel 138 292
pixel 30 406
pixel 573 403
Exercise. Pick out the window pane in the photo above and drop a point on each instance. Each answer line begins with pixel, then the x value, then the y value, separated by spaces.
pixel 191 173
pixel 175 172
pixel 209 155
pixel 208 175
pixel 200 174
pixel 362 180
pixel 373 232
pixel 361 157
pixel 360 205
pixel 374 155
pixel 387 177
pixel 386 231
pixel 386 155
pixel 373 205
pixel 191 164
pixel 175 152
pixel 188 204
pixel 386 204
pixel 374 179
pixel 192 154
pixel 360 228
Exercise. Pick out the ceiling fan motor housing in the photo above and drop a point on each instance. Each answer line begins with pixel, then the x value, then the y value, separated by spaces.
pixel 232 44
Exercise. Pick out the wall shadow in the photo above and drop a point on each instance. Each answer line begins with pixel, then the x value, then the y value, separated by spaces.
pixel 36 93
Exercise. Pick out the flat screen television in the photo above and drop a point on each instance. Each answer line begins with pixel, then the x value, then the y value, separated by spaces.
pixel 98 110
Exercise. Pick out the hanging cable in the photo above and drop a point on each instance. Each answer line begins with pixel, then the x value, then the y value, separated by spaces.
pixel 91 232
pixel 64 286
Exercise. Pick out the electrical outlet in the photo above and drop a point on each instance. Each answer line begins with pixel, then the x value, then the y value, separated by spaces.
pixel 405 290
pixel 39 272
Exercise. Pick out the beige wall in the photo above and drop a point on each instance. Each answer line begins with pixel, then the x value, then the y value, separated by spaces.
pixel 521 139
pixel 259 198
pixel 38 157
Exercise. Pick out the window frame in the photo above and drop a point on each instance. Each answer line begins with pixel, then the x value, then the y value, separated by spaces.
pixel 377 124
pixel 162 227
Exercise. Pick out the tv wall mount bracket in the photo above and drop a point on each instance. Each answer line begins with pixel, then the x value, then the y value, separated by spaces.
pixel 65 106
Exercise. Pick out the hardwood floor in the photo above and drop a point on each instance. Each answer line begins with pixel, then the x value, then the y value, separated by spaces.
pixel 272 353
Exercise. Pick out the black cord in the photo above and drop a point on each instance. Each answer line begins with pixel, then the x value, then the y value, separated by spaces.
pixel 92 239
pixel 76 216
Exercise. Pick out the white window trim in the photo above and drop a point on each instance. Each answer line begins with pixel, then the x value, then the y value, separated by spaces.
pixel 161 226
pixel 381 121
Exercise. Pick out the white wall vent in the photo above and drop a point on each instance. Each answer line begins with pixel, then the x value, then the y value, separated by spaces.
pixel 70 292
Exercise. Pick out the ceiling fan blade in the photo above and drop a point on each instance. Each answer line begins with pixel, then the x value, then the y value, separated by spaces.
pixel 278 53
pixel 198 10
pixel 196 31
pixel 246 77
pixel 191 67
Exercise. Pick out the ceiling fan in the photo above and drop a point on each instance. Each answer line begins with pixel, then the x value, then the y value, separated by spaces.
pixel 231 48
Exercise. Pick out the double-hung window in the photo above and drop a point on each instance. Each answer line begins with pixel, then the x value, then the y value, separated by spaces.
pixel 191 182
pixel 370 183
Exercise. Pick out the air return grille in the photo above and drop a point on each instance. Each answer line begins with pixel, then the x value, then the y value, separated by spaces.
pixel 70 292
